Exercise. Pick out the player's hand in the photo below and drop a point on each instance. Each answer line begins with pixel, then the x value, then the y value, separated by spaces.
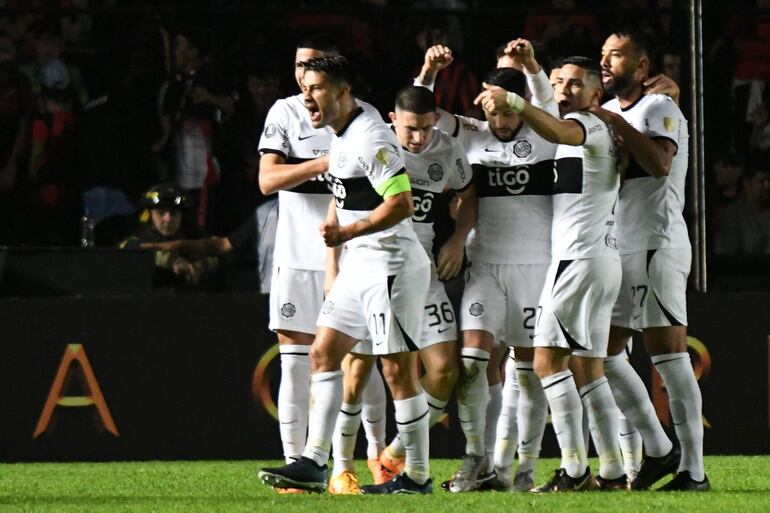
pixel 605 115
pixel 437 58
pixel 662 84
pixel 492 99
pixel 450 258
pixel 522 55
pixel 332 234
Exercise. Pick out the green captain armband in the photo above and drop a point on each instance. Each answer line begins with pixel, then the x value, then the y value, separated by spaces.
pixel 394 185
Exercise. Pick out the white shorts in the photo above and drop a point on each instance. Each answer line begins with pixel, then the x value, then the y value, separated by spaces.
pixel 439 320
pixel 384 312
pixel 296 297
pixel 653 292
pixel 577 305
pixel 503 300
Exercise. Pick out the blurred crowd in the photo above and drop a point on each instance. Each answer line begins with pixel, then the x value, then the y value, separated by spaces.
pixel 102 99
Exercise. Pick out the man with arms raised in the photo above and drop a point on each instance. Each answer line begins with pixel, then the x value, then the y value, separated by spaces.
pixel 583 278
pixel 382 285
pixel 513 171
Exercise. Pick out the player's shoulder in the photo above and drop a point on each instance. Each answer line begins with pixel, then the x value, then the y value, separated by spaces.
pixel 662 102
pixel 290 107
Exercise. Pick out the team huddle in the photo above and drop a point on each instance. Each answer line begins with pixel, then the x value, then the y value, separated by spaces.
pixel 570 213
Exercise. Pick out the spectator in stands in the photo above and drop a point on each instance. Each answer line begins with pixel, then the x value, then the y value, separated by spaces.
pixel 193 105
pixel 17 107
pixel 255 235
pixel 54 198
pixel 743 227
pixel 48 47
pixel 760 133
pixel 561 24
pixel 163 208
pixel 728 174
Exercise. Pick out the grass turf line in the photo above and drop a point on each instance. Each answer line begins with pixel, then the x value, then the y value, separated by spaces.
pixel 740 483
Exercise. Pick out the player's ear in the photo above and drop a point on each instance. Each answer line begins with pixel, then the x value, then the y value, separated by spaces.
pixel 392 116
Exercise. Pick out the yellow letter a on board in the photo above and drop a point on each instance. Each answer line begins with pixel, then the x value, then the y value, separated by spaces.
pixel 93 397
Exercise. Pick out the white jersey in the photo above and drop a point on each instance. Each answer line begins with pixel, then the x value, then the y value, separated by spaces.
pixel 301 210
pixel 649 211
pixel 587 185
pixel 514 184
pixel 364 155
pixel 440 165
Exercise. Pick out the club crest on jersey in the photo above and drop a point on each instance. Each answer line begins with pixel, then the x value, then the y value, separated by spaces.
pixel 436 172
pixel 342 161
pixel 270 130
pixel 328 307
pixel 522 148
pixel 476 309
pixel 288 310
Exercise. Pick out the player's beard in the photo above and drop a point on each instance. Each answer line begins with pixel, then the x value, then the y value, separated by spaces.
pixel 619 84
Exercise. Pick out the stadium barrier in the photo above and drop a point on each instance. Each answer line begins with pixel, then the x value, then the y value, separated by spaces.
pixel 194 376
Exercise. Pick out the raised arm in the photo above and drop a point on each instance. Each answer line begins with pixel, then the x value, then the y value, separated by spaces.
pixel 549 127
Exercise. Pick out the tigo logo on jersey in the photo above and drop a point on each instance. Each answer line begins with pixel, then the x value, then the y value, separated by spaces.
pixel 339 192
pixel 514 179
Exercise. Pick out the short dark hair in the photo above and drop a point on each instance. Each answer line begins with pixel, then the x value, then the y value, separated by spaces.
pixel 336 67
pixel 510 79
pixel 643 39
pixel 321 41
pixel 417 100
pixel 592 66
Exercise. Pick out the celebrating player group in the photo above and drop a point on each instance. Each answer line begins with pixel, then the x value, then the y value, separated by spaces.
pixel 570 213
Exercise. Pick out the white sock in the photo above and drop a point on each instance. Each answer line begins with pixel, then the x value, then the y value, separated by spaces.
pixel 412 421
pixel 632 398
pixel 686 404
pixel 567 419
pixel 326 399
pixel 494 406
pixel 603 419
pixel 472 398
pixel 294 399
pixel 507 435
pixel 373 399
pixel 630 445
pixel 344 440
pixel 436 408
pixel 531 415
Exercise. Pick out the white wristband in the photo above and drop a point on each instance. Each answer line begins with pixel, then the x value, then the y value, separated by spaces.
pixel 515 102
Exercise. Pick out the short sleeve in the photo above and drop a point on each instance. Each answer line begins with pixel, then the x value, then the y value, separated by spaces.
pixel 595 132
pixel 662 119
pixel 462 173
pixel 275 136
pixel 383 161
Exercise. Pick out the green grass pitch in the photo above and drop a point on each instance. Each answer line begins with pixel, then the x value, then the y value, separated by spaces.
pixel 739 483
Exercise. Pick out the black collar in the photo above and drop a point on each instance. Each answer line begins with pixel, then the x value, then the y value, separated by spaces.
pixel 357 113
pixel 626 109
